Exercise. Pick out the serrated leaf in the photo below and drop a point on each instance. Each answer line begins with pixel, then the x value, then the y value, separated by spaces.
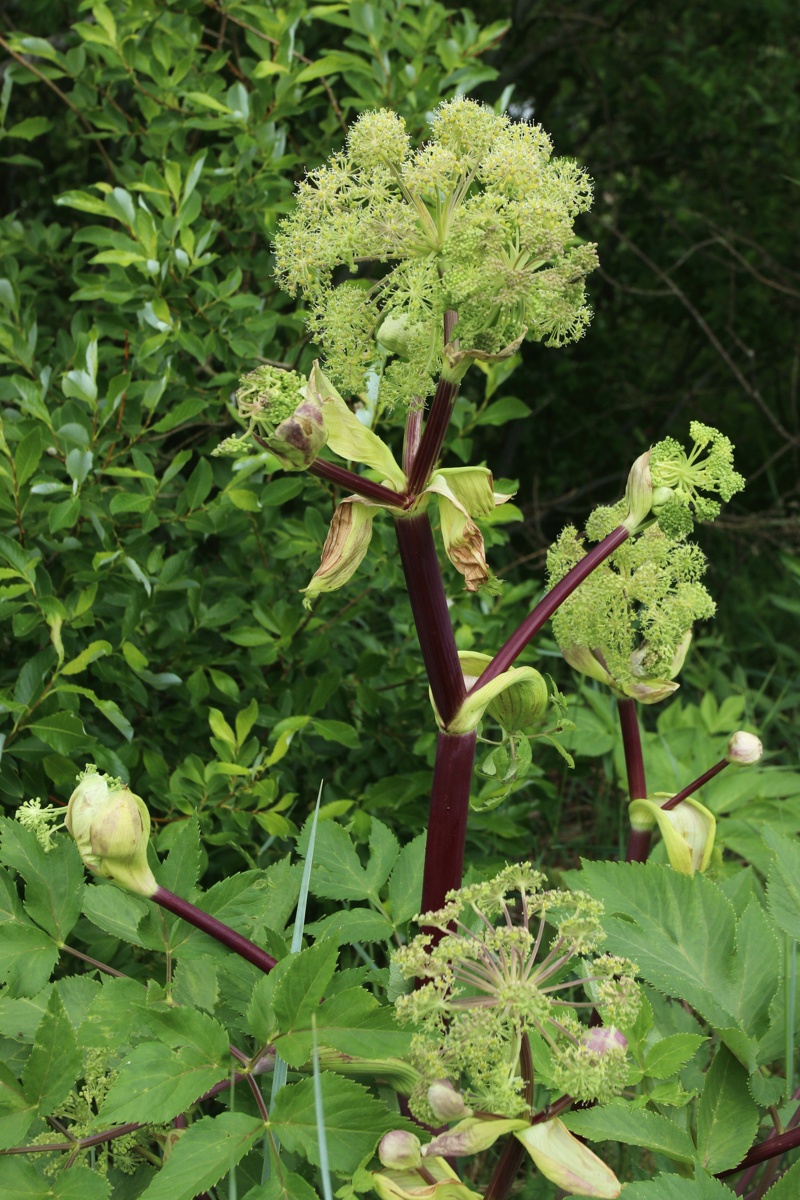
pixel 297 995
pixel 117 912
pixel 383 851
pixel 27 953
pixel 673 1187
pixel 155 1083
pixel 206 1151
pixel 21 1181
pixel 351 925
pixel 682 935
pixel 783 886
pixel 195 983
pixel 337 873
pixel 282 1186
pixel 405 882
pixel 355 1023
pixel 16 1112
pixel 670 1054
pixel 54 881
pixel 55 1059
pixel 619 1122
pixel 757 976
pixel 727 1115
pixel 20 1018
pixel 354 1121
pixel 181 868
pixel 787 1187
pixel 108 1021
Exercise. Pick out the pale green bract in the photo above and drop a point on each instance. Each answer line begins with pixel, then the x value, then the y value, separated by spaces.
pixel 479 220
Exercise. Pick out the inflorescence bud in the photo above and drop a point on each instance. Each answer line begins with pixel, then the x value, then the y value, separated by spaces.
pixel 111 828
pixel 400 1151
pixel 604 1040
pixel 687 830
pixel 744 749
pixel 446 1102
pixel 638 493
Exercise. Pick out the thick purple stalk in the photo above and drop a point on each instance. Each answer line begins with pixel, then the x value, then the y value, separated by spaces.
pixel 780 1143
pixel 356 483
pixel 506 656
pixel 411 438
pixel 431 615
pixel 447 825
pixel 691 788
pixel 430 445
pixel 214 928
pixel 639 839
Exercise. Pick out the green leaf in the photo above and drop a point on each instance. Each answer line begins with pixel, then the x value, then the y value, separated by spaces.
pixel 156 1083
pixel 783 886
pixel 354 1121
pixel 298 993
pixel 109 708
pixel 63 731
pixel 670 1054
pixel 354 1022
pixel 681 932
pixel 508 408
pixel 117 912
pixel 54 880
pixel 27 953
pixel 55 1059
pixel 27 456
pixel 351 925
pixel 383 851
pixel 206 1151
pixel 16 1112
pixel 620 1122
pixel 727 1115
pixel 673 1187
pixel 89 655
pixel 405 883
pixel 198 485
pixel 787 1187
pixel 337 873
pixel 20 1018
pixel 21 1181
pixel 336 731
pixel 108 1021
pixel 181 868
pixel 283 1185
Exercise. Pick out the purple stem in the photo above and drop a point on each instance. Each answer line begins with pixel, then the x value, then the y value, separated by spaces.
pixel 547 606
pixel 431 615
pixel 430 446
pixel 356 483
pixel 447 824
pixel 771 1147
pixel 639 839
pixel 411 439
pixel 214 928
pixel 694 787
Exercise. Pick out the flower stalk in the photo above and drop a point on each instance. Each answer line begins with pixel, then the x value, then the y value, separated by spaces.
pixel 639 839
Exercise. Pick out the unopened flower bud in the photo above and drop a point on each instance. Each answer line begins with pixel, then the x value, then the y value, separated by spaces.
pixel 447 1104
pixel 399 1150
pixel 662 496
pixel 604 1041
pixel 744 748
pixel 639 493
pixel 111 827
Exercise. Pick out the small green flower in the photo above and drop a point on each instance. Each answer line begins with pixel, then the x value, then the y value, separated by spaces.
pixel 486 985
pixel 479 219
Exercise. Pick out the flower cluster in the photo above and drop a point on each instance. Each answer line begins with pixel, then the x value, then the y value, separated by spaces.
pixel 486 987
pixel 679 478
pixel 479 220
pixel 629 624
